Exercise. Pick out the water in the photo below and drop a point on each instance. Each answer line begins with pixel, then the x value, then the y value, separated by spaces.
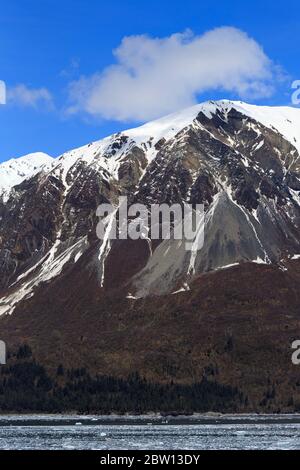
pixel 149 433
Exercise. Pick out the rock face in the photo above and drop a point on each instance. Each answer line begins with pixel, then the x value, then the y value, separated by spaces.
pixel 241 161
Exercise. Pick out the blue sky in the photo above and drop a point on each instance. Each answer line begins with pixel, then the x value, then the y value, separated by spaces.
pixel 47 46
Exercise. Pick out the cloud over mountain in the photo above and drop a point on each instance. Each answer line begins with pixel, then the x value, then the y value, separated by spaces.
pixel 155 76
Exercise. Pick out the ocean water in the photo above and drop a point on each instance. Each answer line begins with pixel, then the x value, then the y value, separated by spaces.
pixel 149 433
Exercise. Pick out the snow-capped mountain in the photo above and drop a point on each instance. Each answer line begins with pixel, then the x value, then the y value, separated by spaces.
pixel 16 170
pixel 240 160
pixel 284 120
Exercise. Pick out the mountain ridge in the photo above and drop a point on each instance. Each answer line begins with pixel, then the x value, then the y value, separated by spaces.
pixel 285 119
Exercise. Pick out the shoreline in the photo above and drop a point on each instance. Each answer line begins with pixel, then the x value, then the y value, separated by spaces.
pixel 148 419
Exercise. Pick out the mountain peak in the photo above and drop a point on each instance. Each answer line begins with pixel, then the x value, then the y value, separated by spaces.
pixel 108 152
pixel 16 170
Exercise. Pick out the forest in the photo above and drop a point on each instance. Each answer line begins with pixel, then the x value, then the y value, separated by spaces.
pixel 26 386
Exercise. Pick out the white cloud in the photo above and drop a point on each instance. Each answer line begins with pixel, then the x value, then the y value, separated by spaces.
pixel 32 97
pixel 154 76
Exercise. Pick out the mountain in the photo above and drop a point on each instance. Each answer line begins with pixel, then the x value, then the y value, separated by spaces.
pixel 241 161
pixel 16 170
pixel 152 306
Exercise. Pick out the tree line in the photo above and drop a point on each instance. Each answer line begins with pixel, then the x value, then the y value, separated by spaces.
pixel 26 386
